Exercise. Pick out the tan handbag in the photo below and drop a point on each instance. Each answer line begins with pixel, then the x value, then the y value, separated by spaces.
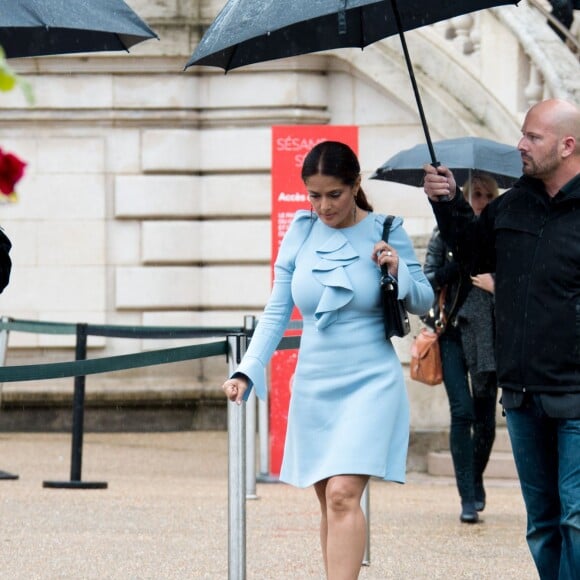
pixel 425 353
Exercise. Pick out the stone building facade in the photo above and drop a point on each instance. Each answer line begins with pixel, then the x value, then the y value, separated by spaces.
pixel 146 199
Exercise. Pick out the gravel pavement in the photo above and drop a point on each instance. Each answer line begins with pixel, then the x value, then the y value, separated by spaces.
pixel 164 516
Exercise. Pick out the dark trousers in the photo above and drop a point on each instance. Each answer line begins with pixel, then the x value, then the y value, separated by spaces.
pixel 547 456
pixel 472 429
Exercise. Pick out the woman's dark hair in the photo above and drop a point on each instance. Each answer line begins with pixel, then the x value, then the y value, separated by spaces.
pixel 338 160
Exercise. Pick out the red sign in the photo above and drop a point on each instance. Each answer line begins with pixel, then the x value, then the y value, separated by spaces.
pixel 290 145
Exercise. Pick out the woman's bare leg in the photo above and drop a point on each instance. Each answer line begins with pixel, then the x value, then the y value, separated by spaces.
pixel 343 528
pixel 320 488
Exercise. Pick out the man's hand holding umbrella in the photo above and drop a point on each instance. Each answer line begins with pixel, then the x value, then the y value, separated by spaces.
pixel 439 182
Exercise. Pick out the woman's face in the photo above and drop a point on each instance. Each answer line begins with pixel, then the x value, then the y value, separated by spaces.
pixel 332 200
pixel 479 196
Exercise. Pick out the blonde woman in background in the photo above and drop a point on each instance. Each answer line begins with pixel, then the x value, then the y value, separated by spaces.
pixel 467 356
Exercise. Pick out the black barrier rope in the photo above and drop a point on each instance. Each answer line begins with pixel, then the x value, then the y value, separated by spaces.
pixel 38 327
pixel 11 374
pixel 119 331
pixel 158 332
pixel 113 363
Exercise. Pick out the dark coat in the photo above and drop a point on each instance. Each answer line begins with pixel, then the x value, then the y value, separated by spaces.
pixel 442 270
pixel 532 243
pixel 466 307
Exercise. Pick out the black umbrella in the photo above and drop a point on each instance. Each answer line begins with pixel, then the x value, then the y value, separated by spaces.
pixel 44 27
pixel 464 156
pixel 251 31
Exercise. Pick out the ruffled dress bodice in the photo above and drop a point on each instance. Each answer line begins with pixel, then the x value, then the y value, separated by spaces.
pixel 349 410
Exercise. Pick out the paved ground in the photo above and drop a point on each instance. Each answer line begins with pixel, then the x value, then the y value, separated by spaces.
pixel 164 516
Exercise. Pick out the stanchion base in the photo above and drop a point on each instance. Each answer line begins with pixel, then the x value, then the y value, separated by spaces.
pixel 76 484
pixel 265 478
pixel 6 475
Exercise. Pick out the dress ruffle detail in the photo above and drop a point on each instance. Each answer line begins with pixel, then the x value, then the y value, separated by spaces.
pixel 335 254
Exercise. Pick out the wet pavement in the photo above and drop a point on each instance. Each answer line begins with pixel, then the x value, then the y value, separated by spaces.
pixel 164 516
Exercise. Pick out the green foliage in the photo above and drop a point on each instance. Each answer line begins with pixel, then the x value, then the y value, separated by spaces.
pixel 9 80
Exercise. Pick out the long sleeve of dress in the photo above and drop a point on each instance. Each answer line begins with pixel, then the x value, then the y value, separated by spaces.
pixel 274 319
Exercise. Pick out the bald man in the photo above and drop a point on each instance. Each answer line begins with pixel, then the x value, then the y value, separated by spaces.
pixel 530 238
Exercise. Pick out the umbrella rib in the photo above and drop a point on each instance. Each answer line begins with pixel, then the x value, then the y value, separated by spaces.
pixel 121 42
pixel 362 28
pixel 230 59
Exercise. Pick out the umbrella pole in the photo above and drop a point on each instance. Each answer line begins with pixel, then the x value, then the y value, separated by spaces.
pixel 434 161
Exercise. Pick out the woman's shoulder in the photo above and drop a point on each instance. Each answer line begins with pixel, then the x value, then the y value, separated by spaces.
pixel 303 215
pixel 379 222
pixel 298 230
pixel 302 222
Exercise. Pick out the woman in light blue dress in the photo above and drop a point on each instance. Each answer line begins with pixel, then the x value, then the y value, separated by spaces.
pixel 349 412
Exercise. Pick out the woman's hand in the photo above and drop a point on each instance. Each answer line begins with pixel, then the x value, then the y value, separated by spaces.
pixel 385 255
pixel 235 389
pixel 484 281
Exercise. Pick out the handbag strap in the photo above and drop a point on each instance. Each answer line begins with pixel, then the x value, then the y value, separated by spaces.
pixel 386 230
pixel 441 322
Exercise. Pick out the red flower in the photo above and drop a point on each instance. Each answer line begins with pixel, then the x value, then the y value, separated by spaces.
pixel 11 170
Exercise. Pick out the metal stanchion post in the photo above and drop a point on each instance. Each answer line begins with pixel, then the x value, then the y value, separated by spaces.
pixel 366 507
pixel 264 436
pixel 236 471
pixel 3 350
pixel 249 325
pixel 78 425
pixel 251 446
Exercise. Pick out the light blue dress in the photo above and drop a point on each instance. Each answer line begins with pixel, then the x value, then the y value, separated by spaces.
pixel 349 411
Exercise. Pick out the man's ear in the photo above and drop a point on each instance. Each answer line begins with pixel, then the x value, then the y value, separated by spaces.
pixel 568 146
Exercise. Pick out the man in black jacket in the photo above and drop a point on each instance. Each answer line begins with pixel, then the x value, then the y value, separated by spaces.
pixel 530 238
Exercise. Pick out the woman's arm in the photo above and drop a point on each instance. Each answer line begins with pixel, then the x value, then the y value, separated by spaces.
pixel 272 324
pixel 440 267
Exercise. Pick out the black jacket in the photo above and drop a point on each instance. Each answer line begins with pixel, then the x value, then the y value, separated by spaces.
pixel 532 243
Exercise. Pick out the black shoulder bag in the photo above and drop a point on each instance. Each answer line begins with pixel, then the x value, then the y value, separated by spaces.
pixel 395 314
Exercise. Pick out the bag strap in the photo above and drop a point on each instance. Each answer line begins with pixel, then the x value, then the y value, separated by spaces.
pixel 441 322
pixel 386 230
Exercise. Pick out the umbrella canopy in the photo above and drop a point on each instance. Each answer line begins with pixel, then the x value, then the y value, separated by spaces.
pixel 251 31
pixel 463 156
pixel 44 27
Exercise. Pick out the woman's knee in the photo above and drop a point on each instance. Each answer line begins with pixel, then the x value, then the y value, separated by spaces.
pixel 343 493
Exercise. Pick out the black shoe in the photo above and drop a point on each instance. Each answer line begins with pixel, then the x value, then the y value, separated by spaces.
pixel 479 497
pixel 468 513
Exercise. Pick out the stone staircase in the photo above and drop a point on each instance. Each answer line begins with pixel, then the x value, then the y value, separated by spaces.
pixel 501 463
